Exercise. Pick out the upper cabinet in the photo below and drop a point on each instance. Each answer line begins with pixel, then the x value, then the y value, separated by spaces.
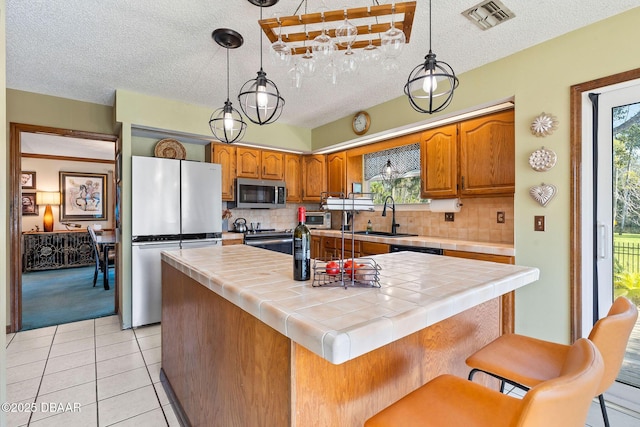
pixel 314 177
pixel 337 173
pixel 471 158
pixel 439 162
pixel 259 164
pixel 292 171
pixel 487 155
pixel 225 155
pixel 272 165
pixel 248 162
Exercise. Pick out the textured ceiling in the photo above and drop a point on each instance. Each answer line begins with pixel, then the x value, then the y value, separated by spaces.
pixel 85 50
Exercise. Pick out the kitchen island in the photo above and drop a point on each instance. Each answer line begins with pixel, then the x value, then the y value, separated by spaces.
pixel 246 345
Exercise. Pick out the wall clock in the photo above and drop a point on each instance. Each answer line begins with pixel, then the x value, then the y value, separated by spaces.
pixel 361 122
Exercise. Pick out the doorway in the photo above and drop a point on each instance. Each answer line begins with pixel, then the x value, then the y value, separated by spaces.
pixel 603 111
pixel 22 137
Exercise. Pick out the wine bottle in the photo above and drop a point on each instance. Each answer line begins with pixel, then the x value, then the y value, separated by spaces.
pixel 301 248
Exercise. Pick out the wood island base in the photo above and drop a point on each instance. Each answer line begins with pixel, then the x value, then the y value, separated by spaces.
pixel 224 367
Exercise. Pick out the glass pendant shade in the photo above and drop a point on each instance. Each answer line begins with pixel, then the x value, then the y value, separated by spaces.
pixel 430 86
pixel 260 100
pixel 226 123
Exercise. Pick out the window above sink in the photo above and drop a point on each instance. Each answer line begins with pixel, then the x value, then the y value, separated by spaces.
pixel 404 185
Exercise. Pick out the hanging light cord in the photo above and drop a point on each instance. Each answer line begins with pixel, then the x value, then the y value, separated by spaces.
pixel 430 26
pixel 227 74
pixel 260 37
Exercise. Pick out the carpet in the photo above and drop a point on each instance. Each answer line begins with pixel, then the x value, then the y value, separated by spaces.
pixel 54 297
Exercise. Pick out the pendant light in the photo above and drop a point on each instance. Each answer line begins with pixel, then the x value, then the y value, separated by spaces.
pixel 430 85
pixel 389 173
pixel 226 123
pixel 260 99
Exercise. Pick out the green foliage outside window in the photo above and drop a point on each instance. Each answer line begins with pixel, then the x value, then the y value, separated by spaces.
pixel 403 190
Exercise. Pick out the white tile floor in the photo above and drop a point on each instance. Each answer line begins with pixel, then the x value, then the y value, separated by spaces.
pixel 111 376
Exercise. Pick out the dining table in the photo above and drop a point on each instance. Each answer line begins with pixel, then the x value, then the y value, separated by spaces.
pixel 106 241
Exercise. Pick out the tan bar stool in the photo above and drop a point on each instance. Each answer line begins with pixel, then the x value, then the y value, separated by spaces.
pixel 449 401
pixel 525 362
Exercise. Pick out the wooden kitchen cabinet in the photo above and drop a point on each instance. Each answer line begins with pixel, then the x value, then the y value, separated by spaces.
pixel 502 259
pixel 328 248
pixel 337 174
pixel 439 162
pixel 487 155
pixel 272 165
pixel 316 247
pixel 248 162
pixel 373 248
pixel 225 155
pixel 314 177
pixel 471 158
pixel 292 171
pixel 259 164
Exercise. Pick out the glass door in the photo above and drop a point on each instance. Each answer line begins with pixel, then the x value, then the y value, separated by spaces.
pixel 617 223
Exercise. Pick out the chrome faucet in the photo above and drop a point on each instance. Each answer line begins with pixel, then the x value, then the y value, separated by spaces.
pixel 394 226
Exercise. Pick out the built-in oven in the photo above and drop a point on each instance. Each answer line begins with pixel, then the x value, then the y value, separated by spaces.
pixel 259 194
pixel 273 240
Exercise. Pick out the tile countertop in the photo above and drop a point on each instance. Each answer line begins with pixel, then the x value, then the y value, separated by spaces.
pixel 341 324
pixel 429 242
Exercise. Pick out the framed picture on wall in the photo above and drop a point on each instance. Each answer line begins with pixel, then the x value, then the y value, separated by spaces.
pixel 28 180
pixel 29 206
pixel 84 196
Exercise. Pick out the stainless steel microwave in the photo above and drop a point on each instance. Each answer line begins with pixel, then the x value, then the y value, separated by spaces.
pixel 318 219
pixel 259 194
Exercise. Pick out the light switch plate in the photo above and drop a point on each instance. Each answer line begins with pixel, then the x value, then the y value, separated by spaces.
pixel 449 216
pixel 538 223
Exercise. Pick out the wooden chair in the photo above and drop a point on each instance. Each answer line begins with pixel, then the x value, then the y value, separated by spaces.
pixel 97 254
pixel 449 401
pixel 526 362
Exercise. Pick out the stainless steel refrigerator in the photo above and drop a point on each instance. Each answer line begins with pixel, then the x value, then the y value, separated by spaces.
pixel 174 204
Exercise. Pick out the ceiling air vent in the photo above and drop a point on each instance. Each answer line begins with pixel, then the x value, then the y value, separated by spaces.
pixel 488 14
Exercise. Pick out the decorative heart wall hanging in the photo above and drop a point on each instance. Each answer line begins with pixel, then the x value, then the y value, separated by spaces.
pixel 542 193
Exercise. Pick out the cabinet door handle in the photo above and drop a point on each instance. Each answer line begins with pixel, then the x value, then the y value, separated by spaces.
pixel 462 182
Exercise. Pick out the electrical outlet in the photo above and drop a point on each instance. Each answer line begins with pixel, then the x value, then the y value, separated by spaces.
pixel 449 216
pixel 538 223
pixel 500 217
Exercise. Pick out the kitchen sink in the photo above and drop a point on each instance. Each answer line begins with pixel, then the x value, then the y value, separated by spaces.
pixel 383 234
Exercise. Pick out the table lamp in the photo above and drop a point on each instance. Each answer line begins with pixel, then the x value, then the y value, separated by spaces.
pixel 47 198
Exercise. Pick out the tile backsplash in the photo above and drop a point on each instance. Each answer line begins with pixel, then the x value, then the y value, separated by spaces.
pixel 476 220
